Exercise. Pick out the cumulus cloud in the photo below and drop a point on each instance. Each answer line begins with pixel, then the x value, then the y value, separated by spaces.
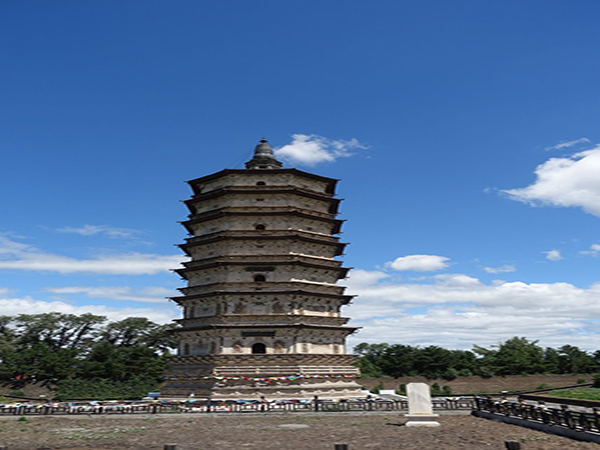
pixel 16 306
pixel 419 263
pixel 111 232
pixel 570 181
pixel 553 255
pixel 123 293
pixel 502 269
pixel 567 144
pixel 311 149
pixel 457 311
pixel 19 256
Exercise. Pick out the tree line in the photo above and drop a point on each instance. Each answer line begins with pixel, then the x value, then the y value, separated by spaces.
pixel 87 356
pixel 84 355
pixel 515 356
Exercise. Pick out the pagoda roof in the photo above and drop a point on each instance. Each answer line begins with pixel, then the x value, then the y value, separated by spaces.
pixel 222 212
pixel 284 286
pixel 267 233
pixel 193 266
pixel 347 298
pixel 350 330
pixel 201 240
pixel 331 182
pixel 262 190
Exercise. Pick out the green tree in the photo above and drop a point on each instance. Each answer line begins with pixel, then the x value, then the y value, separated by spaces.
pixel 516 356
pixel 571 359
pixel 57 330
pixel 139 331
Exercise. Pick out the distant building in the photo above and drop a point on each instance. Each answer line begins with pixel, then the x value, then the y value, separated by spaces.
pixel 262 307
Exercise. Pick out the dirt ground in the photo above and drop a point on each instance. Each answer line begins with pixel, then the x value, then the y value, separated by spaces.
pixel 290 431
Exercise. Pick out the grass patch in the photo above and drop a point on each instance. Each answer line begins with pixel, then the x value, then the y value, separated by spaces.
pixel 578 393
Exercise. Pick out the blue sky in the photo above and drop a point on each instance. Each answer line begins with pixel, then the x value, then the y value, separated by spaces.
pixel 465 134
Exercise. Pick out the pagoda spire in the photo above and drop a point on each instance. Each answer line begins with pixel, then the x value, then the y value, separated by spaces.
pixel 264 157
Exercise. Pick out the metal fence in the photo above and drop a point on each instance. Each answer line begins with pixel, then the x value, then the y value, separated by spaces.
pixel 562 416
pixel 226 406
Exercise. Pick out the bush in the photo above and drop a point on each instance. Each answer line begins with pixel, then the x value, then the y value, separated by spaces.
pixel 485 373
pixel 401 389
pixel 104 388
pixel 375 389
pixel 17 393
pixel 450 374
pixel 597 380
pixel 435 389
pixel 447 390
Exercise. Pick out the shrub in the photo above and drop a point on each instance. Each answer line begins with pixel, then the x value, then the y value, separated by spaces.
pixel 17 393
pixel 450 374
pixel 103 388
pixel 597 380
pixel 435 389
pixel 375 389
pixel 447 390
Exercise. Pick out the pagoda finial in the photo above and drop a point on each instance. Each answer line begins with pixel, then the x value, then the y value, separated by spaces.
pixel 264 157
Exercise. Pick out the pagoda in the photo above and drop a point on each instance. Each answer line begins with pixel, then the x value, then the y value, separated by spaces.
pixel 261 309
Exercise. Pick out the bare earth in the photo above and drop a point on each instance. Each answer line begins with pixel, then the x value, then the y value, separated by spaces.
pixel 289 431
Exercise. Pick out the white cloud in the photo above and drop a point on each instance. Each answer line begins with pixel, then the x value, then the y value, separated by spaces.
pixel 3 292
pixel 457 311
pixel 567 144
pixel 419 263
pixel 571 181
pixel 502 269
pixel 111 232
pixel 311 149
pixel 553 255
pixel 16 306
pixel 19 256
pixel 593 251
pixel 123 293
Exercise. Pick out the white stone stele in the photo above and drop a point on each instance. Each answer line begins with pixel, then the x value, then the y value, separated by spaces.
pixel 420 409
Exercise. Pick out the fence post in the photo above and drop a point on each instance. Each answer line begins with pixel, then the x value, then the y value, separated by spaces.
pixel 170 447
pixel 512 445
pixel 341 446
pixel 316 400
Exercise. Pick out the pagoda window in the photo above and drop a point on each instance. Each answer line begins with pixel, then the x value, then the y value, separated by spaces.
pixel 260 278
pixel 261 183
pixel 259 347
pixel 260 226
pixel 186 349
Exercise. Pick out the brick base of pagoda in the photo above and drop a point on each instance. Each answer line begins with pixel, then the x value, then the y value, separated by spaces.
pixel 274 376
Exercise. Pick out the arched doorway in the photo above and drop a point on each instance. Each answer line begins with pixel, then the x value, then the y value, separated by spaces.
pixel 259 347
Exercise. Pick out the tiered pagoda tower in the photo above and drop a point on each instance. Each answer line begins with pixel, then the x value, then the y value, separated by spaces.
pixel 262 307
